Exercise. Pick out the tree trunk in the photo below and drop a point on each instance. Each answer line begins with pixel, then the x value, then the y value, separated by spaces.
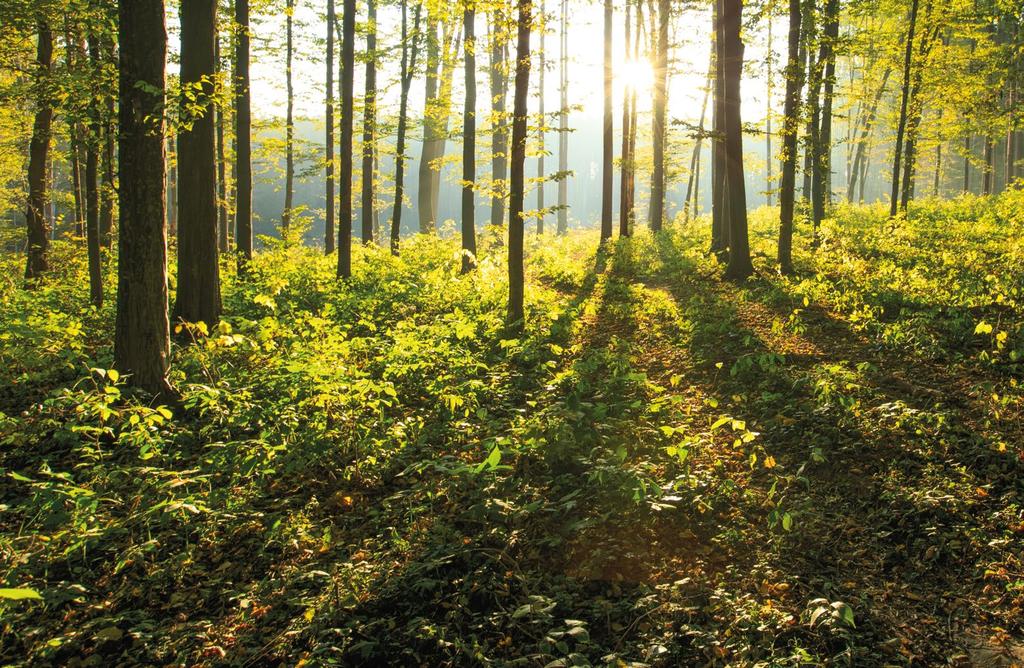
pixel 719 225
pixel 607 147
pixel 860 154
pixel 821 166
pixel 369 124
pixel 329 138
pixel 658 129
pixel 243 139
pixel 198 294
pixel 141 331
pixel 967 164
pixel 92 195
pixel 904 100
pixel 38 254
pixel 563 123
pixel 348 59
pixel 732 55
pixel 408 67
pixel 543 121
pixel 769 159
pixel 469 141
pixel 289 124
pixel 625 201
pixel 693 183
pixel 989 166
pixel 499 127
pixel 222 186
pixel 516 223
pixel 938 169
pixel 790 128
pixel 107 189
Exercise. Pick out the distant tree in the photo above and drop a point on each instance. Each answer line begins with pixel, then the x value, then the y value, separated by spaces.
pixel 408 67
pixel 498 43
pixel 516 222
pixel 625 190
pixel 38 260
pixel 198 291
pixel 141 330
pixel 821 139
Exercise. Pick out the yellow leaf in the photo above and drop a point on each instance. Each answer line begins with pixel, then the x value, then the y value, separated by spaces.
pixel 769 462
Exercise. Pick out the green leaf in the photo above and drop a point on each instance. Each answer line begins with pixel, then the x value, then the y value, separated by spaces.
pixel 787 521
pixel 19 594
pixel 845 613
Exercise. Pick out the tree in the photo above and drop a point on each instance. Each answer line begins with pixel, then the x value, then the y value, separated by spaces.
pixel 441 58
pixel 541 67
pixel 141 330
pixel 625 189
pixel 222 187
pixel 289 123
pixel 469 140
pixel 243 138
pixel 38 261
pixel 821 139
pixel 499 128
pixel 563 122
pixel 740 266
pixel 348 56
pixel 198 294
pixel 608 151
pixel 514 316
pixel 408 67
pixel 369 123
pixel 904 97
pixel 719 224
pixel 790 127
pixel 658 129
pixel 92 194
pixel 329 139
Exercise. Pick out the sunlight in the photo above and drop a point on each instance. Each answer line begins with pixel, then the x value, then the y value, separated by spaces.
pixel 636 73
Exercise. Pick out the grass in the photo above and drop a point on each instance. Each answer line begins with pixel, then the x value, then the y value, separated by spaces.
pixel 663 469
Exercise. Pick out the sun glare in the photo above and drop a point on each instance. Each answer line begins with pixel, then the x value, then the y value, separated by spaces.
pixel 635 73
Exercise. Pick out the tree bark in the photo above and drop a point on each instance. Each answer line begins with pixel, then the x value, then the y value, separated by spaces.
pixel 740 266
pixel 198 293
pixel 821 165
pixel 289 124
pixel 499 128
pixel 38 254
pixel 348 56
pixel 625 201
pixel 516 222
pixel 658 129
pixel 719 225
pixel 369 124
pixel 92 194
pixel 790 128
pixel 563 123
pixel 608 150
pixel 329 138
pixel 469 141
pixel 107 188
pixel 243 139
pixel 222 187
pixel 141 331
pixel 904 100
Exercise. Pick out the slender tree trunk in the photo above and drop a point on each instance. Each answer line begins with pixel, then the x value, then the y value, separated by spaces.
pixel 631 182
pixel 72 52
pixel 821 166
pixel 732 55
pixel 329 235
pixel 107 188
pixel 967 164
pixel 348 58
pixel 469 141
pixel 141 331
pixel 542 66
pixel 989 166
pixel 172 185
pixel 608 150
pixel 369 123
pixel 289 124
pixel 408 67
pixel 769 159
pixel 499 127
pixel 243 139
pixel 1011 140
pixel 625 201
pixel 790 128
pixel 693 183
pixel 198 294
pixel 38 261
pixel 516 222
pixel 222 186
pixel 563 123
pixel 904 100
pixel 431 130
pixel 658 128
pixel 719 225
pixel 860 154
pixel 938 169
pixel 92 194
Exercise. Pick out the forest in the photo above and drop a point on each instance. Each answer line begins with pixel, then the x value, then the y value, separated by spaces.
pixel 512 333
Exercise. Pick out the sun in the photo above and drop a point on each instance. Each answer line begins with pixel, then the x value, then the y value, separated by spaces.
pixel 635 73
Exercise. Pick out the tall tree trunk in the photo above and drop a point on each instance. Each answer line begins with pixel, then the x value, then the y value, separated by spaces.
pixel 198 294
pixel 222 186
pixel 916 109
pixel 141 330
pixel 719 225
pixel 693 183
pixel 72 52
pixel 329 138
pixel 658 129
pixel 170 205
pixel 563 123
pixel 790 128
pixel 408 67
pixel 967 163
pixel 821 166
pixel 92 195
pixel 860 154
pixel 243 139
pixel 631 183
pixel 107 189
pixel 625 201
pixel 904 100
pixel 369 123
pixel 38 261
pixel 289 124
pixel 499 127
pixel 769 159
pixel 542 66
pixel 732 55
pixel 608 150
pixel 989 166
pixel 938 170
pixel 514 316
pixel 469 140
pixel 440 66
pixel 348 59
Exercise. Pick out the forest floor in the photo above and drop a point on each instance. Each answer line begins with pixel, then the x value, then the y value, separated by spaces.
pixel 664 469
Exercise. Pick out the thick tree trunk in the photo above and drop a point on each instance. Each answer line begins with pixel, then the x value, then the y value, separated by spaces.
pixel 329 138
pixel 904 101
pixel 658 129
pixel 563 123
pixel 198 292
pixel 499 126
pixel 608 151
pixel 516 223
pixel 732 55
pixel 37 261
pixel 243 139
pixel 469 141
pixel 141 331
pixel 369 125
pixel 289 124
pixel 790 128
pixel 348 59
